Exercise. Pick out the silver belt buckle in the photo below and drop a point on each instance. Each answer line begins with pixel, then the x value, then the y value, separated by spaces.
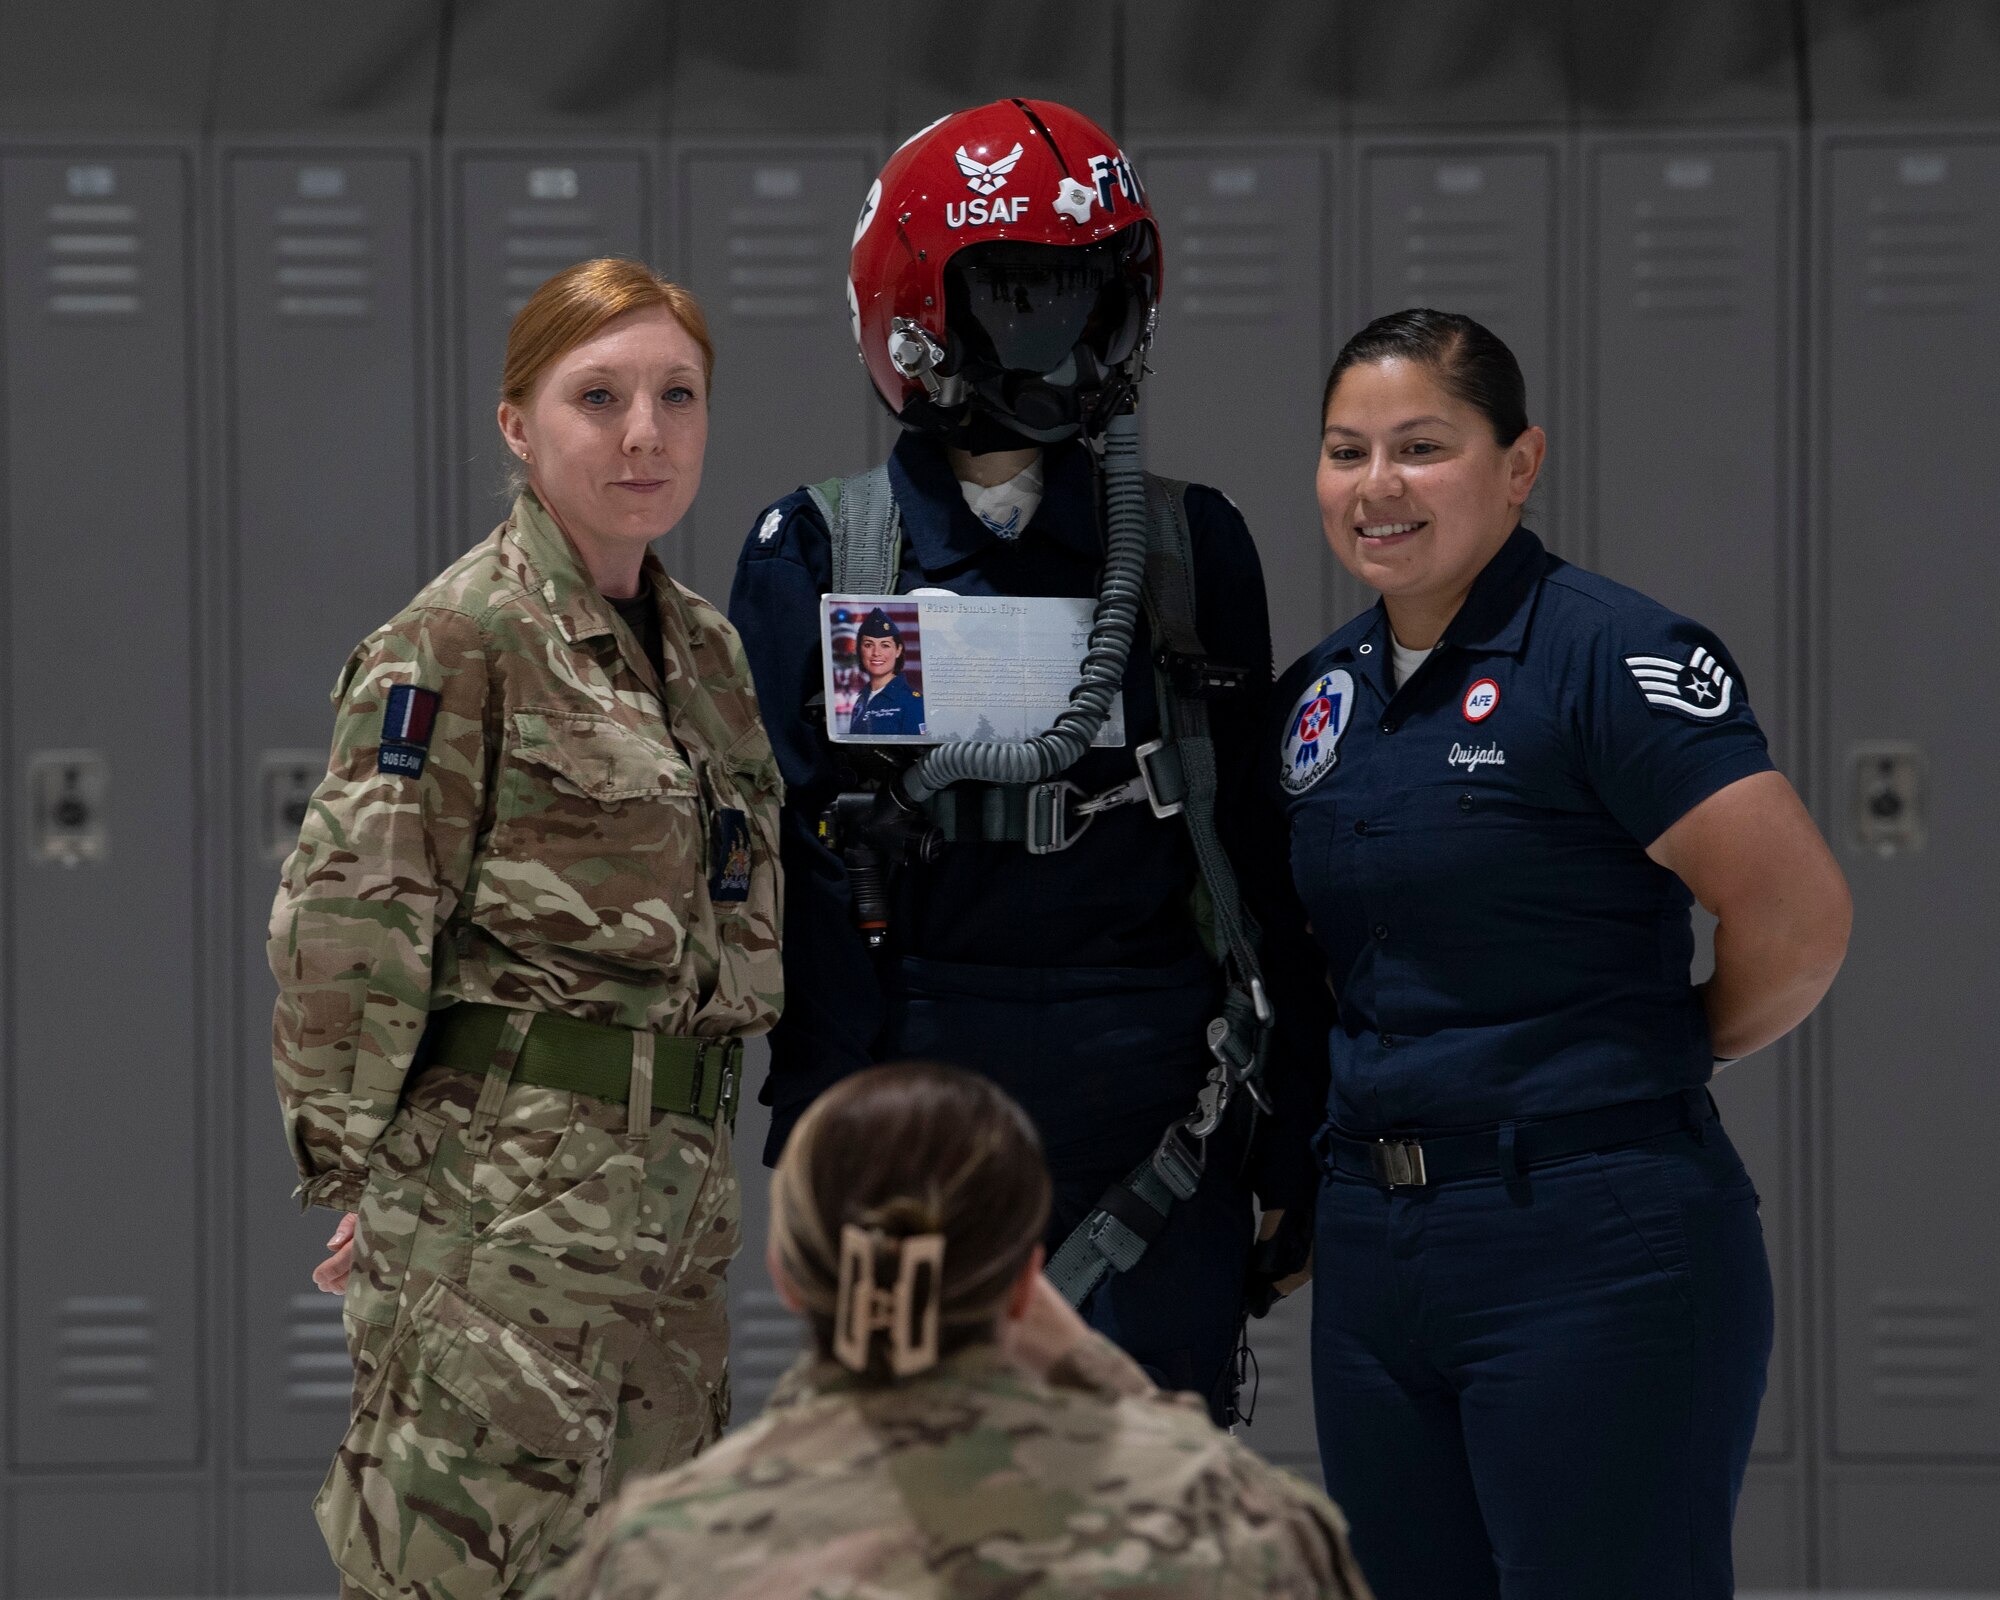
pixel 1398 1163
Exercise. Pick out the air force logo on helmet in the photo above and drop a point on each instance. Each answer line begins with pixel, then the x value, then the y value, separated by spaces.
pixel 1312 736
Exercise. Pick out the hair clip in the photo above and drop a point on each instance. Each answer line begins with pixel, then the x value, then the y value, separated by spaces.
pixel 861 1309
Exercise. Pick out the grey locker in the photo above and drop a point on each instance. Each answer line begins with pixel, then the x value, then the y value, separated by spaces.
pixel 1686 445
pixel 106 1127
pixel 764 1338
pixel 1240 355
pixel 1474 228
pixel 90 1536
pixel 1910 247
pixel 521 218
pixel 763 239
pixel 329 501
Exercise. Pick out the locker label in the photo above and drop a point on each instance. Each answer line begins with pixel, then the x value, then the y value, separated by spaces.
pixel 286 780
pixel 553 183
pixel 91 183
pixel 67 807
pixel 1888 798
pixel 322 183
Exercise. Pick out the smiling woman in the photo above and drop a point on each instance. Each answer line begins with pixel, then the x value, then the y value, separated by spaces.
pixel 1505 783
pixel 529 922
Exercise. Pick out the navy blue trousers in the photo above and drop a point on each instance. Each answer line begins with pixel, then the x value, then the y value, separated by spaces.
pixel 1544 1388
pixel 1102 1060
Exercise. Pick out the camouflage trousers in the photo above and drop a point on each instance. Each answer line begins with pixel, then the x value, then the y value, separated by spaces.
pixel 536 1314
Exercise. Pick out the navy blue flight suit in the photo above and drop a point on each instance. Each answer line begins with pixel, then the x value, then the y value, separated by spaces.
pixel 895 708
pixel 1078 980
pixel 1540 1380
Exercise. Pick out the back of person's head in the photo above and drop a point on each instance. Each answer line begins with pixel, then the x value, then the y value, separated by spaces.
pixel 907 1204
pixel 1469 360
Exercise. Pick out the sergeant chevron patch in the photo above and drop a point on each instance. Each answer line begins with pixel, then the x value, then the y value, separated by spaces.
pixel 1699 686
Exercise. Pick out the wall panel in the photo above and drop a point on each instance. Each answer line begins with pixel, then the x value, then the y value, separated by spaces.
pixel 330 497
pixel 1688 450
pixel 762 236
pixel 104 1355
pixel 1909 240
pixel 521 216
pixel 1240 354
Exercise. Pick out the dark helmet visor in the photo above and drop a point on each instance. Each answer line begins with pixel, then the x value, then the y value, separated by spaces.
pixel 1025 307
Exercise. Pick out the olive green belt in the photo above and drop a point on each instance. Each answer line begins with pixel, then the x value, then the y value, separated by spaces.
pixel 691 1077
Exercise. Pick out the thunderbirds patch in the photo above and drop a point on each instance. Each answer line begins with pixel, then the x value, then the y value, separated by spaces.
pixel 1312 737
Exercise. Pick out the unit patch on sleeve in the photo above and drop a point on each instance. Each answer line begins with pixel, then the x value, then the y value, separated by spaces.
pixel 1698 686
pixel 407 723
pixel 1312 737
pixel 729 864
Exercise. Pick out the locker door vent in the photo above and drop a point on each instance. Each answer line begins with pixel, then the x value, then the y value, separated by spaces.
pixel 766 1340
pixel 544 238
pixel 1461 247
pixel 1921 255
pixel 780 252
pixel 323 261
pixel 1926 1349
pixel 1229 244
pixel 317 1372
pixel 107 1354
pixel 95 257
pixel 1686 262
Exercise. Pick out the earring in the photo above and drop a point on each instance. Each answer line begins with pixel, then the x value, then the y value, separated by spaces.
pixel 522 454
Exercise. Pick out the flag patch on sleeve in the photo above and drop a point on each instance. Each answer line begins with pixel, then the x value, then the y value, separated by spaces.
pixel 407 723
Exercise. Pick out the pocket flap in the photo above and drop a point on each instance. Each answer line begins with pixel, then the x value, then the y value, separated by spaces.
pixel 600 757
pixel 752 759
pixel 545 1404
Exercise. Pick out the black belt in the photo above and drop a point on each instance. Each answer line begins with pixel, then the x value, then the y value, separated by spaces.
pixel 1409 1160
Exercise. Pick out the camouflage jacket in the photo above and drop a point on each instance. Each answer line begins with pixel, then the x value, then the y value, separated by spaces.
pixel 973 1480
pixel 519 811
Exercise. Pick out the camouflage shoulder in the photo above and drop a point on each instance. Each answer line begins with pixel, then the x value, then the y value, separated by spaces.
pixel 425 629
pixel 480 582
pixel 1294 1524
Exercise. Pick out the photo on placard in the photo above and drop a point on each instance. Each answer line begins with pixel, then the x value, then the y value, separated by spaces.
pixel 939 668
pixel 876 660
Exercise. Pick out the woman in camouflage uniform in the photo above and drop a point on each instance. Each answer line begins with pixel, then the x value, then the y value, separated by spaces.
pixel 531 917
pixel 960 1430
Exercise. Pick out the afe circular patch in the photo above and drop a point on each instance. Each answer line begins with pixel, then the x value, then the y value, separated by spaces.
pixel 1481 700
pixel 1312 737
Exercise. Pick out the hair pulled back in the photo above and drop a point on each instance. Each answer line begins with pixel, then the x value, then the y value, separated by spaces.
pixel 1470 361
pixel 576 302
pixel 898 1158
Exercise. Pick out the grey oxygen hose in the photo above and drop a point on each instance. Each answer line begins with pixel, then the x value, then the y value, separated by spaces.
pixel 1062 744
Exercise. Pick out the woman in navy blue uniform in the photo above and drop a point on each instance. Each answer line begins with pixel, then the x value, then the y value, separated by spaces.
pixel 888 705
pixel 1544 1312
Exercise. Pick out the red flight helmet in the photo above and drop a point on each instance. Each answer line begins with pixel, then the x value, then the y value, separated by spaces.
pixel 1005 277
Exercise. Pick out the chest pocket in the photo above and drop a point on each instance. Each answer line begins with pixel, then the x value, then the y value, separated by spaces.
pixel 597 842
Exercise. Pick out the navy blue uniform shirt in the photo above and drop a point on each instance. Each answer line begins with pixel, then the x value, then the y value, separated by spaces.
pixel 1120 899
pixel 895 708
pixel 1471 848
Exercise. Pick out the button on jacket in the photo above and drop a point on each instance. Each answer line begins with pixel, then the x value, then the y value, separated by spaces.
pixel 1471 848
pixel 520 811
pixel 1121 903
